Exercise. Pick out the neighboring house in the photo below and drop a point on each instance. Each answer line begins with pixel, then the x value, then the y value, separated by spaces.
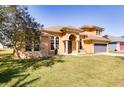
pixel 117 42
pixel 64 40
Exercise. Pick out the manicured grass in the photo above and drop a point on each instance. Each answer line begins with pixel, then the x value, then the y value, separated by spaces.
pixel 62 71
pixel 117 52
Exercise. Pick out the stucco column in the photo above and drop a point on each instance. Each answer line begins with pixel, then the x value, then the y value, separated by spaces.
pixel 107 48
pixel 77 43
pixel 92 48
pixel 77 46
pixel 66 44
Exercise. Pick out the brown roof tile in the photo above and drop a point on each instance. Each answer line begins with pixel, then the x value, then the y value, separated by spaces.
pixel 91 28
pixel 59 29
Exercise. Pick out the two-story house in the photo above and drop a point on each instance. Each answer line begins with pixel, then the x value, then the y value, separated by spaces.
pixel 64 40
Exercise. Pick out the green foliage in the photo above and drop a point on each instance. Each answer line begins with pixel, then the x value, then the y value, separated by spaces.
pixel 14 22
pixel 16 25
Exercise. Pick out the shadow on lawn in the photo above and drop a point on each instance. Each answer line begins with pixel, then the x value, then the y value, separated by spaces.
pixel 11 69
pixel 19 84
pixel 9 74
pixel 35 63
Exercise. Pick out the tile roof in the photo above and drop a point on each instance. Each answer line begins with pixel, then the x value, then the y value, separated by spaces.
pixel 59 29
pixel 53 29
pixel 96 38
pixel 45 34
pixel 91 27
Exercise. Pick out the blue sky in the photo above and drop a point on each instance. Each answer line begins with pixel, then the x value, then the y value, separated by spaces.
pixel 109 17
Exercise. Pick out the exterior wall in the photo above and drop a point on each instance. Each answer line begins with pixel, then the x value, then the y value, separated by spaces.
pixel 45 45
pixel 88 47
pixel 60 50
pixel 61 45
pixel 107 47
pixel 44 51
pixel 92 33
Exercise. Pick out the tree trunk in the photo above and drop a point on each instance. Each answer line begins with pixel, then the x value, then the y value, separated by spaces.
pixel 17 53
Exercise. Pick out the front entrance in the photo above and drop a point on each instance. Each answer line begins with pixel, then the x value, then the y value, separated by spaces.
pixel 71 44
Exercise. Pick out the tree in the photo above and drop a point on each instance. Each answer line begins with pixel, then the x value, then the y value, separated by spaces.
pixel 15 23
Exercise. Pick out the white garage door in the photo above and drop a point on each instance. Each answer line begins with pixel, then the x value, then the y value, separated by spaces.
pixel 98 48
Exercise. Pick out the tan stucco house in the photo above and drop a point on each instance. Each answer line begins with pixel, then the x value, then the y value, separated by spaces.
pixel 64 40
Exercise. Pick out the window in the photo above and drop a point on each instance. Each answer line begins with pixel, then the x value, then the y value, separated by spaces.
pixel 80 43
pixel 97 32
pixel 52 42
pixel 57 42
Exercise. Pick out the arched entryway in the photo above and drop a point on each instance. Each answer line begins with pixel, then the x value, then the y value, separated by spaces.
pixel 71 43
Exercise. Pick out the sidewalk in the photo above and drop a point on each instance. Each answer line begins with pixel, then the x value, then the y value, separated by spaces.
pixel 111 54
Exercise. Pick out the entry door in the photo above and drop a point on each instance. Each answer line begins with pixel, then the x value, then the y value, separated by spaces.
pixel 100 48
pixel 69 46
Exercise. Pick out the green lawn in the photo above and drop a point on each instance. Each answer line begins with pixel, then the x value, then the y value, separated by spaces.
pixel 62 71
pixel 117 52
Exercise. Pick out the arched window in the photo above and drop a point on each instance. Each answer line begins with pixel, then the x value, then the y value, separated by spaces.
pixel 52 42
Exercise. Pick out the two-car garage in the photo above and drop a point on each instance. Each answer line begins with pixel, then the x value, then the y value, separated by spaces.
pixel 99 48
pixel 96 44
